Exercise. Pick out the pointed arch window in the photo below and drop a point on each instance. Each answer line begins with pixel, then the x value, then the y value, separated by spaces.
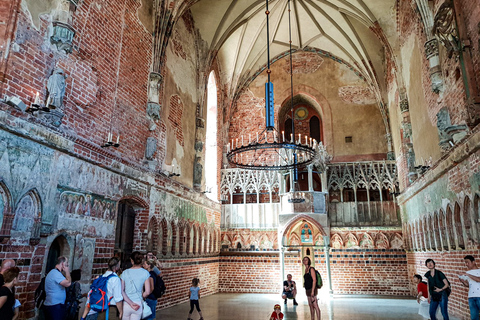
pixel 211 140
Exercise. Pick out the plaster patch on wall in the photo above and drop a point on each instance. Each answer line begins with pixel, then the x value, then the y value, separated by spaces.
pixel 145 14
pixel 34 9
pixel 357 95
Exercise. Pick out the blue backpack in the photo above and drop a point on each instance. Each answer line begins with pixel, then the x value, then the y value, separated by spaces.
pixel 99 301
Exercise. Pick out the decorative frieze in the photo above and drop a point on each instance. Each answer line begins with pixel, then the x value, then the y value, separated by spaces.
pixel 404 106
pixel 431 48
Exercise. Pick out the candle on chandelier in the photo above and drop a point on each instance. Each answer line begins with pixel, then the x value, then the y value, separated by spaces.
pixel 266 137
pixel 48 102
pixel 306 140
pixel 257 137
pixel 283 136
pixel 310 142
pixel 291 137
pixel 118 138
pixel 109 139
pixel 249 140
pixel 299 138
pixel 274 136
pixel 242 140
pixel 236 143
pixel 37 99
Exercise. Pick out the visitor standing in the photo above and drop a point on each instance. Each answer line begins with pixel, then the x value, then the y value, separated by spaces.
pixel 151 300
pixel 438 290
pixel 194 292
pixel 136 287
pixel 55 283
pixel 73 295
pixel 310 283
pixel 7 297
pixel 471 279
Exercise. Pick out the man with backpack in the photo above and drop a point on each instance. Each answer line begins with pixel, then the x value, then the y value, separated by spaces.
pixel 106 294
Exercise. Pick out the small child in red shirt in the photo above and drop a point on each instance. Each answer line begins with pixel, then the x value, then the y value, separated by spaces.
pixel 276 314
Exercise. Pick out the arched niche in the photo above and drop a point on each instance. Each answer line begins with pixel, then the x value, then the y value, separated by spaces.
pixel 128 212
pixel 6 215
pixel 28 216
pixel 302 229
pixel 60 245
pixel 152 235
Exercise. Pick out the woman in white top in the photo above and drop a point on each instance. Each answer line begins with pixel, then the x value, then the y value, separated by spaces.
pixel 137 287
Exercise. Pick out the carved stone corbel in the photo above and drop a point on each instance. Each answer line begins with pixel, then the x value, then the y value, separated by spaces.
pixel 63 32
pixel 155 80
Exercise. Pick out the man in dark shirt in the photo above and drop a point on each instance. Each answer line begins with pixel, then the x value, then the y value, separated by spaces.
pixel 438 290
pixel 289 290
pixel 6 264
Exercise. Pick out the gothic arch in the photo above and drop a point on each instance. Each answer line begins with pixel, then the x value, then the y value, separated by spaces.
pixel 476 216
pixel 164 228
pixel 366 242
pixel 437 231
pixel 397 242
pixel 183 226
pixel 318 102
pixel 458 227
pixel 294 239
pixel 152 235
pixel 175 238
pixel 58 245
pixel 6 214
pixel 351 241
pixel 292 223
pixel 381 241
pixel 429 232
pixel 337 241
pixel 450 226
pixel 468 222
pixel 443 230
pixel 226 241
pixel 28 215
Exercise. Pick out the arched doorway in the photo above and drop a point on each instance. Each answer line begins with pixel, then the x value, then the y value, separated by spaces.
pixel 302 237
pixel 59 247
pixel 124 231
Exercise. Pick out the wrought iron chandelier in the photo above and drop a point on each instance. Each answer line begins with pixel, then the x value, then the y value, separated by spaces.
pixel 270 149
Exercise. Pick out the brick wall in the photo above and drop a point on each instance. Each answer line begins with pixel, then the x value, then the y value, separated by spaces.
pixel 245 272
pixel 354 271
pixel 178 275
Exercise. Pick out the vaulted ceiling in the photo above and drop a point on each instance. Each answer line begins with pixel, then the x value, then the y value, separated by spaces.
pixel 341 29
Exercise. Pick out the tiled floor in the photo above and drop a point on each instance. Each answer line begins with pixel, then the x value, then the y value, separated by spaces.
pixel 230 306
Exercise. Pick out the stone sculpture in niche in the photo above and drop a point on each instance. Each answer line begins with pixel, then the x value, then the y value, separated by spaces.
pixel 449 134
pixel 153 111
pixel 56 88
pixel 412 172
pixel 151 148
pixel 197 172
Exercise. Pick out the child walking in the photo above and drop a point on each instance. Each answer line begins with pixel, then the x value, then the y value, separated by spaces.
pixel 194 296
